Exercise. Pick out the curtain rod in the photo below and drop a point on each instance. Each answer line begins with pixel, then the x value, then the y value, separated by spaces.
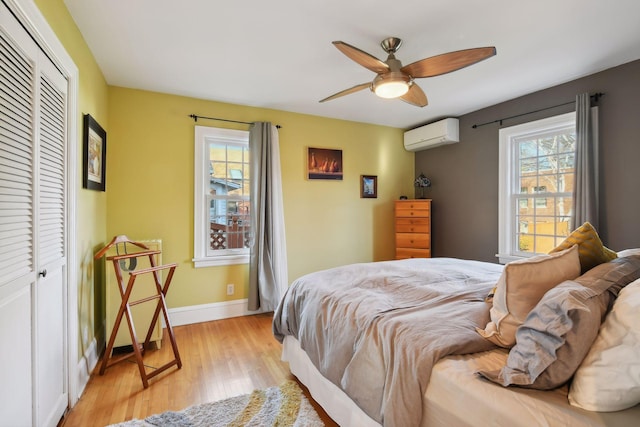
pixel 595 97
pixel 195 119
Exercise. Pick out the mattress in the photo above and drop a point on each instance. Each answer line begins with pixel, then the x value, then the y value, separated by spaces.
pixel 457 397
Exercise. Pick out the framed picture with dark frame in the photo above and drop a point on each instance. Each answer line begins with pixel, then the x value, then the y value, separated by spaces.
pixel 368 186
pixel 94 155
pixel 324 163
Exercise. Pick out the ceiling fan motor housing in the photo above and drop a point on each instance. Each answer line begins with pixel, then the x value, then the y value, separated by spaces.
pixel 391 44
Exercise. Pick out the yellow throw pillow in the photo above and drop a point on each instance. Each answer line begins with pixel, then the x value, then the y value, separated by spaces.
pixel 521 286
pixel 590 248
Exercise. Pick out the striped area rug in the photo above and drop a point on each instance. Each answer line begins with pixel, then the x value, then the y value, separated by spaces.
pixel 280 406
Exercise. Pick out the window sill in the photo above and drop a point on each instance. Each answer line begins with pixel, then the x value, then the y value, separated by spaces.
pixel 506 258
pixel 220 261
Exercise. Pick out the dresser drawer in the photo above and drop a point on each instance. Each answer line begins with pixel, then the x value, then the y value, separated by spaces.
pixel 413 225
pixel 413 204
pixel 412 240
pixel 404 253
pixel 404 211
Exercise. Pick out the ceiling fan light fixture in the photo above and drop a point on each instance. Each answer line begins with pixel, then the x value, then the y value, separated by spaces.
pixel 391 89
pixel 393 80
pixel 391 85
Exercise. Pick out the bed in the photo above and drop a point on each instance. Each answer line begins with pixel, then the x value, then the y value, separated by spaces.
pixel 397 343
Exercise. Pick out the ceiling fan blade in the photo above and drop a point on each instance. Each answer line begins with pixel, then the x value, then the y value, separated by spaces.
pixel 347 91
pixel 447 62
pixel 415 96
pixel 361 57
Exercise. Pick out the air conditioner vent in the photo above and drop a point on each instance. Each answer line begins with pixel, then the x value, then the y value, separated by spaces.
pixel 432 135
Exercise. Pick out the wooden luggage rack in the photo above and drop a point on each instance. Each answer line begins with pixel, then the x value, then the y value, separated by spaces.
pixel 125 306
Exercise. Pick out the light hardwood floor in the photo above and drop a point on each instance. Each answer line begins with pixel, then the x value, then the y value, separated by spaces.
pixel 220 359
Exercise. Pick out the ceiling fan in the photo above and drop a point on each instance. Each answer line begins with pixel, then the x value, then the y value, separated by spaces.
pixel 396 81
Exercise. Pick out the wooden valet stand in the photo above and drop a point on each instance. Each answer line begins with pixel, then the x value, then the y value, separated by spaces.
pixel 125 306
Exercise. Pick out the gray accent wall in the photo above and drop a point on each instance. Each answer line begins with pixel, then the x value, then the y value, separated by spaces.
pixel 464 176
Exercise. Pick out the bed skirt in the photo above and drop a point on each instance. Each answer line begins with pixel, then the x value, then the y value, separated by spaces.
pixel 334 401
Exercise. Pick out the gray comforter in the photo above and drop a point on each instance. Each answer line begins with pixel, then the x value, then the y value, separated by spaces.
pixel 376 329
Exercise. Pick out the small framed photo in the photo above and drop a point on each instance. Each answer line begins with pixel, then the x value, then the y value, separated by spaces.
pixel 324 163
pixel 368 186
pixel 94 155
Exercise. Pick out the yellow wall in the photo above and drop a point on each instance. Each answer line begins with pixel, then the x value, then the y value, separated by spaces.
pixel 91 205
pixel 150 187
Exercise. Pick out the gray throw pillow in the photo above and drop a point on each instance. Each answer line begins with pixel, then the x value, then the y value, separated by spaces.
pixel 613 275
pixel 557 334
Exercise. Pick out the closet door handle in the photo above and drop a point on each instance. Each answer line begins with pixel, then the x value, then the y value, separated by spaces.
pixel 43 273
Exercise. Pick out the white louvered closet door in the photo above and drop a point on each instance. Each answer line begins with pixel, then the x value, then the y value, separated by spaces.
pixel 33 389
pixel 50 296
pixel 17 264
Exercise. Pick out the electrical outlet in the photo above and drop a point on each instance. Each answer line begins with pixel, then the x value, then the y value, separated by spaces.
pixel 231 289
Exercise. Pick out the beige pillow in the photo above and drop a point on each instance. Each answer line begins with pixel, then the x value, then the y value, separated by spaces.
pixel 521 286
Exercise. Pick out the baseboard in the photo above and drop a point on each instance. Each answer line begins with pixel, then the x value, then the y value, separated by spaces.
pixel 86 365
pixel 208 312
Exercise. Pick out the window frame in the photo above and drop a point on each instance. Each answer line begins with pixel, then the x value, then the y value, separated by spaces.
pixel 202 257
pixel 508 182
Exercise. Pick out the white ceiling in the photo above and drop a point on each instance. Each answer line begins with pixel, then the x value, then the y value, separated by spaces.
pixel 278 54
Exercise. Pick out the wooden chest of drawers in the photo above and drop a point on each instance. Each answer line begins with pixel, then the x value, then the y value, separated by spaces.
pixel 413 228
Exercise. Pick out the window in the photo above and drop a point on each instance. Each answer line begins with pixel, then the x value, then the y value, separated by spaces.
pixel 222 197
pixel 536 185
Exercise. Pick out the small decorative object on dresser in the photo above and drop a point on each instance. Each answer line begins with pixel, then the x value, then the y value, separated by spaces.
pixel 413 228
pixel 422 182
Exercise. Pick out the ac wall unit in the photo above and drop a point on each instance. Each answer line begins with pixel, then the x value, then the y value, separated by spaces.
pixel 432 135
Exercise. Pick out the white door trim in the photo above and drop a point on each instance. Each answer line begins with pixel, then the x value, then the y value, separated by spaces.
pixel 34 22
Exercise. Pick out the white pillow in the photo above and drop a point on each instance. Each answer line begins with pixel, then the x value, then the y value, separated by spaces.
pixel 609 377
pixel 521 286
pixel 629 252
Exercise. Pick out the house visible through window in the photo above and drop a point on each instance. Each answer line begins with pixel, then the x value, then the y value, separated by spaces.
pixel 536 184
pixel 222 197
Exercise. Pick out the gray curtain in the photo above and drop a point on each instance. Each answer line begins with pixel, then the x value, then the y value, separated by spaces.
pixel 585 189
pixel 268 259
